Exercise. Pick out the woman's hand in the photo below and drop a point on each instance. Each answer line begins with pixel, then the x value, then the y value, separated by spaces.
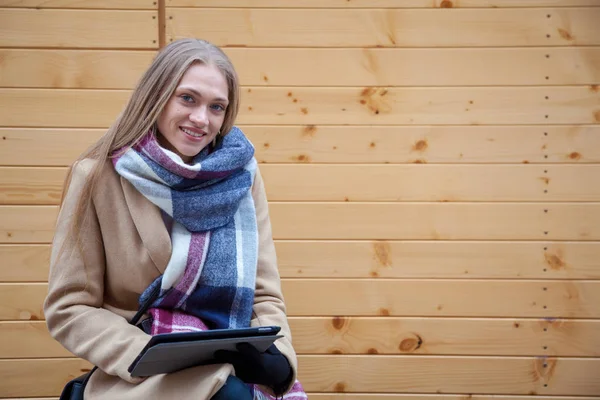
pixel 270 368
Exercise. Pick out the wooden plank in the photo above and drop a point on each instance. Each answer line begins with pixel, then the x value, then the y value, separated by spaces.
pixel 120 29
pixel 45 377
pixel 254 27
pixel 413 259
pixel 450 375
pixel 432 144
pixel 22 301
pixel 384 336
pixel 24 263
pixel 27 224
pixel 31 185
pixel 331 106
pixel 445 336
pixel 446 183
pixel 379 3
pixel 53 147
pixel 390 297
pixel 29 340
pixel 95 4
pixel 417 183
pixel 422 374
pixel 417 67
pixel 80 69
pixel 80 108
pixel 431 298
pixel 435 106
pixel 346 144
pixel 438 221
pixel 381 221
pixel 384 259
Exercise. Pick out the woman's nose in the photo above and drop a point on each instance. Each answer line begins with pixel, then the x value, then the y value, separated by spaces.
pixel 199 116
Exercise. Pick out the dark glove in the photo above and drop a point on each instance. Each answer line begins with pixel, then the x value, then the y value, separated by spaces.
pixel 270 368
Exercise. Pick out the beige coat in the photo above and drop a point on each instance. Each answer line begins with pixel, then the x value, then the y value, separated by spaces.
pixel 94 289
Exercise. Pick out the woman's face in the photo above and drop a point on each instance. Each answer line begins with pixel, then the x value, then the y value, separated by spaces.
pixel 195 112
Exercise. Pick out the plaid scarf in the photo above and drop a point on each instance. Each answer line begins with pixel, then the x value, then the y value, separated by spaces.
pixel 209 281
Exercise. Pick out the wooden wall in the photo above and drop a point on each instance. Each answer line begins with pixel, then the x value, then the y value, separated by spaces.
pixel 432 169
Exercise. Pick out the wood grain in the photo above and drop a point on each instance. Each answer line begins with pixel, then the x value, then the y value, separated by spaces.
pixel 254 27
pixel 414 259
pixel 378 221
pixel 24 263
pixel 43 186
pixel 378 3
pixel 390 297
pixel 117 29
pixel 460 298
pixel 383 336
pixel 22 224
pixel 99 4
pixel 384 259
pixel 75 69
pixel 576 144
pixel 331 106
pixel 450 375
pixel 438 221
pixel 417 67
pixel 422 374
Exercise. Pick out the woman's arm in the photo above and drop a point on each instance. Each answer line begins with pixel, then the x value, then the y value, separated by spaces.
pixel 269 307
pixel 73 307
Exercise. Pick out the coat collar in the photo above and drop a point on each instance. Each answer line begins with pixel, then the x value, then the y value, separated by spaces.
pixel 150 225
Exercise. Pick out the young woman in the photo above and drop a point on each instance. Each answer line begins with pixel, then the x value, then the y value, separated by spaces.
pixel 170 196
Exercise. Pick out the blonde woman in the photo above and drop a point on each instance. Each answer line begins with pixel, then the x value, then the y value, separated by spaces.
pixel 170 196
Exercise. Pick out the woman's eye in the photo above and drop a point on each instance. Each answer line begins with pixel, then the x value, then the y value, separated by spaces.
pixel 218 107
pixel 187 98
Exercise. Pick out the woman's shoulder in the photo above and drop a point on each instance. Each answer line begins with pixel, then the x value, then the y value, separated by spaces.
pixel 81 170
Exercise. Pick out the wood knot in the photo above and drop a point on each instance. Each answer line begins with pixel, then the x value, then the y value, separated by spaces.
pixel 309 130
pixel 446 4
pixel 339 387
pixel 372 351
pixel 565 34
pixel 410 344
pixel 383 253
pixel 336 351
pixel 516 325
pixel 575 156
pixel 421 145
pixel 303 158
pixel 338 322
pixel 304 110
pixel 554 261
pixel 384 312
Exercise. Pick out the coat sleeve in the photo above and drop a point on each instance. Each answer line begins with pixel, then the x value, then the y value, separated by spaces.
pixel 73 306
pixel 269 307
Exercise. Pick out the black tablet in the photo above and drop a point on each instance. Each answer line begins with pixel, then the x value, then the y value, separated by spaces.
pixel 172 352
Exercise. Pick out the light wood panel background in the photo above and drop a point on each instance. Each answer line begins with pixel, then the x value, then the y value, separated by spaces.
pixel 431 166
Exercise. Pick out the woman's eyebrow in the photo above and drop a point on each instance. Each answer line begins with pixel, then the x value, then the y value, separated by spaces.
pixel 197 93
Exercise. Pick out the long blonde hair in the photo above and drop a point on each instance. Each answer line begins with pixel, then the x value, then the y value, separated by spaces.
pixel 147 101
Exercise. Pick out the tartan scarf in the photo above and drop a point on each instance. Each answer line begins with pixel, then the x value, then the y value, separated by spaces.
pixel 210 278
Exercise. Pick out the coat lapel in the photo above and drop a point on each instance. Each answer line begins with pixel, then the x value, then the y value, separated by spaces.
pixel 150 225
